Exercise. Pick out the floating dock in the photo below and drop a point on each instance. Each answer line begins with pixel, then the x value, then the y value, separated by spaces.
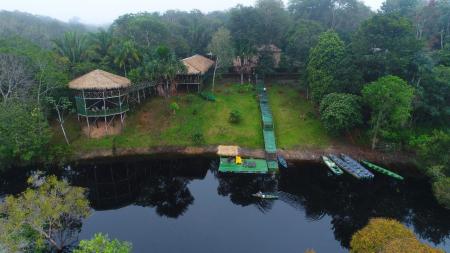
pixel 250 166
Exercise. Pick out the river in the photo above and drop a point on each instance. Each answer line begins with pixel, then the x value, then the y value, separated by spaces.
pixel 185 205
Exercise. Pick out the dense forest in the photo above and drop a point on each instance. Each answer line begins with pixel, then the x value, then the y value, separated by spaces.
pixel 386 73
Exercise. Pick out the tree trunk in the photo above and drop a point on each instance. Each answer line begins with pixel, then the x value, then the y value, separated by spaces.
pixel 375 131
pixel 214 75
pixel 242 77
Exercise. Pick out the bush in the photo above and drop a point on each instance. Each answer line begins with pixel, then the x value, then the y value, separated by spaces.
pixel 340 112
pixel 235 117
pixel 174 107
pixel 102 243
pixel 386 235
pixel 243 88
pixel 198 139
pixel 441 190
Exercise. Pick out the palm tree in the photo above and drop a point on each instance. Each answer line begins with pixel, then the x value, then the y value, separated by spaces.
pixel 72 46
pixel 163 67
pixel 126 54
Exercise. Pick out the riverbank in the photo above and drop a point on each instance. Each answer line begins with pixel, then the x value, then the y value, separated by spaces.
pixel 293 156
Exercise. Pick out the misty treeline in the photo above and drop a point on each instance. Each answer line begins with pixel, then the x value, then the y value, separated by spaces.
pixel 386 73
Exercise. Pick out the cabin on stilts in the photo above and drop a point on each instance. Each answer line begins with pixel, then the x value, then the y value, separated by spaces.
pixel 198 67
pixel 101 97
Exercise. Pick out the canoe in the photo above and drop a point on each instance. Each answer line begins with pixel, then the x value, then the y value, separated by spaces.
pixel 264 196
pixel 282 161
pixel 382 170
pixel 332 166
pixel 350 168
pixel 357 166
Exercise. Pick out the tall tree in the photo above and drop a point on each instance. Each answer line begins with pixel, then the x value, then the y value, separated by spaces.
pixel 390 99
pixel 24 133
pixel 301 37
pixel 163 67
pixel 126 55
pixel 102 244
pixel 73 46
pixel 221 46
pixel 14 77
pixel 324 60
pixel 272 27
pixel 49 213
pixel 386 45
pixel 340 112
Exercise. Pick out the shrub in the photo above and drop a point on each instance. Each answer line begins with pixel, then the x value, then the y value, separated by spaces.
pixel 235 117
pixel 102 243
pixel 441 190
pixel 243 88
pixel 340 112
pixel 386 235
pixel 197 138
pixel 174 107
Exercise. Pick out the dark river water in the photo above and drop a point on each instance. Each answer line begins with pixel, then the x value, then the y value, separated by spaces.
pixel 185 205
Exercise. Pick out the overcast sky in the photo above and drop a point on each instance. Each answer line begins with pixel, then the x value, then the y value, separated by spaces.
pixel 105 11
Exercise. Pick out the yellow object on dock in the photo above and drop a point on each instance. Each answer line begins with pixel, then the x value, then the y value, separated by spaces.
pixel 238 160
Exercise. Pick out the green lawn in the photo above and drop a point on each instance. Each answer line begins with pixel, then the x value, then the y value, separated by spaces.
pixel 296 123
pixel 153 124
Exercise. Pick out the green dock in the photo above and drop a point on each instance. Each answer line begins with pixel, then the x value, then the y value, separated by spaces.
pixel 251 166
pixel 268 127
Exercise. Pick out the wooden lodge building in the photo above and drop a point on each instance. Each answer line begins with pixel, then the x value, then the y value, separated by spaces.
pixel 197 70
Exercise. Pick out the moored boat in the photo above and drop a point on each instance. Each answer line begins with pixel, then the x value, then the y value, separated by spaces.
pixel 282 161
pixel 382 170
pixel 332 166
pixel 357 166
pixel 264 196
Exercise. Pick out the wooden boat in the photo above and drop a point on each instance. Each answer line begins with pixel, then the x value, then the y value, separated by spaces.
pixel 282 161
pixel 382 170
pixel 365 173
pixel 264 196
pixel 351 168
pixel 332 166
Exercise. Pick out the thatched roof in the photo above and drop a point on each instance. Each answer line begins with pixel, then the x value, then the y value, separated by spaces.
pixel 99 80
pixel 228 150
pixel 197 64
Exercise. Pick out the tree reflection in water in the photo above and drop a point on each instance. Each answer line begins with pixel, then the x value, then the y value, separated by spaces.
pixel 161 184
pixel 351 203
pixel 309 188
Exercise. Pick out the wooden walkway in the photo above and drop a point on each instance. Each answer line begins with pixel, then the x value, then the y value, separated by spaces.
pixel 268 127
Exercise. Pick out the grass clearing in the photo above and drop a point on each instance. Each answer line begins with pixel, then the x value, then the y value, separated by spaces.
pixel 154 124
pixel 296 122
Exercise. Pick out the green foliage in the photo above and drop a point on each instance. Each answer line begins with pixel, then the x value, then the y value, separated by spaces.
pixel 441 190
pixel 340 112
pixel 324 60
pixel 72 46
pixel 235 117
pixel 174 107
pixel 381 235
pixel 47 215
pixel 221 46
pixel 390 99
pixel 198 138
pixel 302 36
pixel 102 244
pixel 386 45
pixel 24 133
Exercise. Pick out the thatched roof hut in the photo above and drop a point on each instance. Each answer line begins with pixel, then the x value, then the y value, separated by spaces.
pixel 197 64
pixel 99 80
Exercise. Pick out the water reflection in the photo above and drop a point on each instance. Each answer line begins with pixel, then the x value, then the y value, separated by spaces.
pixel 163 185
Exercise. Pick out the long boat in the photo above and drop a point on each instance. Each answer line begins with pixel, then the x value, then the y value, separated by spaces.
pixel 382 170
pixel 332 166
pixel 358 166
pixel 264 195
pixel 351 169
